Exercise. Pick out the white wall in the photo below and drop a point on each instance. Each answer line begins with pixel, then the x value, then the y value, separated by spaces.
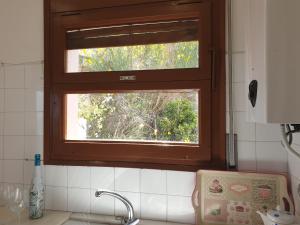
pixel 155 194
pixel 21 24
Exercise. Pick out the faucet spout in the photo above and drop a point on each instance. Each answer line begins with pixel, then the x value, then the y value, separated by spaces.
pixel 131 220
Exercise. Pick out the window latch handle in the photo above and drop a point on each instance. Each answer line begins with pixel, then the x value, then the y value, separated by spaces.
pixel 213 69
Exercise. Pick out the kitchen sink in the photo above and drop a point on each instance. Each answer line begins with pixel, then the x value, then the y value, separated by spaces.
pixel 96 219
pixel 78 222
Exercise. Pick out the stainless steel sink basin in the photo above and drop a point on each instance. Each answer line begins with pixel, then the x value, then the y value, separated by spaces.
pixel 95 219
pixel 77 222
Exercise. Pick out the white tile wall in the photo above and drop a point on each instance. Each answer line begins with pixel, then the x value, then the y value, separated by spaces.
pixel 13 171
pixel 14 123
pixel 156 194
pixel 134 198
pixel 180 183
pixel 104 205
pixel 79 200
pixel 14 76
pixel 154 206
pixel 103 177
pixel 273 150
pixel 180 209
pixel 247 155
pixel 2 100
pixel 33 144
pixel 56 176
pixel 56 198
pixel 79 177
pixel 2 76
pixel 154 181
pixel 127 180
pixel 13 147
pixel 14 100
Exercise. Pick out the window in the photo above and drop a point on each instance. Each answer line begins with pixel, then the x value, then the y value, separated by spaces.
pixel 137 85
pixel 156 116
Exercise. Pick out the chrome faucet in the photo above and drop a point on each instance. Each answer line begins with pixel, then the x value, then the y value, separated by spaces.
pixel 130 220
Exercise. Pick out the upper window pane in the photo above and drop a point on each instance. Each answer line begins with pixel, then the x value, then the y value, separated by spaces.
pixel 180 55
pixel 146 46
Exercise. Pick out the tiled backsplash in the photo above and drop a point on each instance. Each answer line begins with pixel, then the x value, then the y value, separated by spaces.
pixel 152 192
pixel 156 194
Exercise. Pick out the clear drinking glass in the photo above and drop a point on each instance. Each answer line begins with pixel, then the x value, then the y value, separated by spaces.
pixel 16 200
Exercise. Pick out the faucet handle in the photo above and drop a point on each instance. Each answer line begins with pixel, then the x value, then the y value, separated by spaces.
pixel 122 219
pixel 133 222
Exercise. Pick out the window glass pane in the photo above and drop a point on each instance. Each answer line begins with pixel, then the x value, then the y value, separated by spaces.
pixel 179 55
pixel 138 46
pixel 145 116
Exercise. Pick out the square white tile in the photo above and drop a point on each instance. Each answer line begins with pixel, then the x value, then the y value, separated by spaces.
pixel 56 198
pixel 33 145
pixel 79 176
pixel 103 178
pixel 127 179
pixel 15 76
pixel 154 207
pixel 14 100
pixel 34 123
pixel 134 198
pixel 271 157
pixel 104 205
pixel 13 147
pixel 56 176
pixel 13 171
pixel 28 169
pixel 34 100
pixel 239 97
pixel 180 183
pixel 2 94
pixel 2 69
pixel 1 170
pixel 154 181
pixel 79 200
pixel 14 123
pixel 246 156
pixel 245 130
pixel 34 76
pixel 1 147
pixel 180 210
pixel 1 123
pixel 239 70
pixel 267 132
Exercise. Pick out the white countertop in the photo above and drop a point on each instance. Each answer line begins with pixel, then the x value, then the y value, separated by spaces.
pixel 49 218
pixel 68 218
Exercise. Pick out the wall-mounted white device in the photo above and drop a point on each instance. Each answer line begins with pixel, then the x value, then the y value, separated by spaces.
pixel 273 61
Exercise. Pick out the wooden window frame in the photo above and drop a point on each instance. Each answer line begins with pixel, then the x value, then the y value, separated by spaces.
pixel 209 78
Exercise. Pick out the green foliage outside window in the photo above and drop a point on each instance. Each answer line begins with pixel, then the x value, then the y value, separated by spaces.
pixel 147 116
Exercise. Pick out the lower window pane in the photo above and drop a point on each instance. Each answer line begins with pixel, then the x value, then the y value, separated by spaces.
pixel 145 116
